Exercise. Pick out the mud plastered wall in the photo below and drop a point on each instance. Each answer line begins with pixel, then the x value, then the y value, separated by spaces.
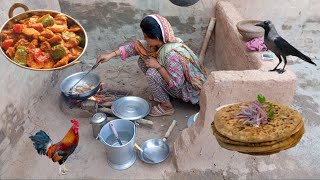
pixel 20 88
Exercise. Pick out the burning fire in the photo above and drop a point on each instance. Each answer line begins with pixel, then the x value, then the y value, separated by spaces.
pixel 99 98
pixel 92 98
pixel 102 99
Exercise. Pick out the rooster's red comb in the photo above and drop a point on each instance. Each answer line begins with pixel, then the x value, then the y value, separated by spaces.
pixel 74 122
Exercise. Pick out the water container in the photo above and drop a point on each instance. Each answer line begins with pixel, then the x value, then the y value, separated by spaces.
pixel 119 156
pixel 98 120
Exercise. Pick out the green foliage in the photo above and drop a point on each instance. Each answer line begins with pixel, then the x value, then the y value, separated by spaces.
pixel 270 107
pixel 270 111
pixel 261 99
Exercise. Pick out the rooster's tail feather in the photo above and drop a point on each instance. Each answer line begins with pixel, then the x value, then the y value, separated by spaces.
pixel 41 142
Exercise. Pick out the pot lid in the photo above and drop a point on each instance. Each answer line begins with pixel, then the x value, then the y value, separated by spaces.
pixel 98 118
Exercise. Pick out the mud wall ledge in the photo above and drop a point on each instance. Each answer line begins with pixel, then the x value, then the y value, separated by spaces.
pixel 196 149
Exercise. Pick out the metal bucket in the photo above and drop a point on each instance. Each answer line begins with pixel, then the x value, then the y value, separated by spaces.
pixel 119 156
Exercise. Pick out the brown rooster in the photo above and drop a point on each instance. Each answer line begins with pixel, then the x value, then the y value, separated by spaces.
pixel 59 151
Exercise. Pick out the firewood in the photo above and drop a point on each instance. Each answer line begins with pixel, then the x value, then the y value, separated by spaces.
pixel 106 104
pixel 145 122
pixel 89 105
pixel 105 110
pixel 103 98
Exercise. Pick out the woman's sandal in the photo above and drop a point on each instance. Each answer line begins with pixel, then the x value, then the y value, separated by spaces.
pixel 157 111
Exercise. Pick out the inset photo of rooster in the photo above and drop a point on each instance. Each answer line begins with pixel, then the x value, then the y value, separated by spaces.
pixel 60 151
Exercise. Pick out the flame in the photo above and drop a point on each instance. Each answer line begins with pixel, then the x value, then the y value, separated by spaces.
pixel 92 98
pixel 98 98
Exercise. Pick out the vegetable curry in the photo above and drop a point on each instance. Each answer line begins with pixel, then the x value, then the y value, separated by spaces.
pixel 43 42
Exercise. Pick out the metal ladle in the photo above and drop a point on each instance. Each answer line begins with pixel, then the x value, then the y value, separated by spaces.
pixel 92 68
pixel 115 133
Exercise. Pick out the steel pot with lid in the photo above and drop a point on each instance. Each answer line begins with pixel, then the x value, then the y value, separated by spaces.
pixel 98 120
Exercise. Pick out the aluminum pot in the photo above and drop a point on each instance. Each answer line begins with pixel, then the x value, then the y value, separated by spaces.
pixel 98 120
pixel 68 82
pixel 13 19
pixel 119 156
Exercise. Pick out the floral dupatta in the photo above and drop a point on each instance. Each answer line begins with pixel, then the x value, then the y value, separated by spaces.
pixel 194 72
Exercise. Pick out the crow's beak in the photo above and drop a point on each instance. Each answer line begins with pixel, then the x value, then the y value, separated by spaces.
pixel 261 24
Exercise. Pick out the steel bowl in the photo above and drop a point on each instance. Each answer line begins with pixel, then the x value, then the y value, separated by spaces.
pixel 68 82
pixel 130 108
pixel 192 119
pixel 13 19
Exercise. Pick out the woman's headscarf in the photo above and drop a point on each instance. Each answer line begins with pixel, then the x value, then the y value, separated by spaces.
pixel 166 29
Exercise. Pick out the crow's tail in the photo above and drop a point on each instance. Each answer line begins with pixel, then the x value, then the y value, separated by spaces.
pixel 41 142
pixel 305 58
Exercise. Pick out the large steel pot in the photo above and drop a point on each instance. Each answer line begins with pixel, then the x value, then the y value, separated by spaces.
pixel 13 19
pixel 119 156
pixel 90 79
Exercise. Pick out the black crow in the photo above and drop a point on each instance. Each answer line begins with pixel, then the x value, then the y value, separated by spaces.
pixel 279 46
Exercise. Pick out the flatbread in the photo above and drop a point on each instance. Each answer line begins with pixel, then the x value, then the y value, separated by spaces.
pixel 282 145
pixel 224 139
pixel 275 151
pixel 294 143
pixel 282 125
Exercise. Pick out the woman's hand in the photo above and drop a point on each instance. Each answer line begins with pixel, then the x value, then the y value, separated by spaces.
pixel 105 57
pixel 152 63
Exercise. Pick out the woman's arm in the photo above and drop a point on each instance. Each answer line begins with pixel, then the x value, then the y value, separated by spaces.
pixel 173 72
pixel 124 52
pixel 164 73
pixel 153 63
pixel 127 50
pixel 107 56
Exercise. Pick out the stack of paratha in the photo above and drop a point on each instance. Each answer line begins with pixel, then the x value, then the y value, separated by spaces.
pixel 283 131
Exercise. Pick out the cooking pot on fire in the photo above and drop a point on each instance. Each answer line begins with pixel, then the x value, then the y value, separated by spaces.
pixel 70 22
pixel 91 79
